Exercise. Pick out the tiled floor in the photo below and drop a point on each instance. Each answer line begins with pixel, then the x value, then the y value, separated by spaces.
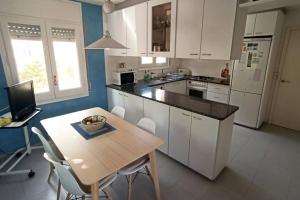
pixel 264 165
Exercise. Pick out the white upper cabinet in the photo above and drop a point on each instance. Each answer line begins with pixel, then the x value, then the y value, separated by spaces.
pixel 265 23
pixel 250 23
pixel 136 26
pixel 189 28
pixel 262 24
pixel 117 28
pixel 161 28
pixel 223 30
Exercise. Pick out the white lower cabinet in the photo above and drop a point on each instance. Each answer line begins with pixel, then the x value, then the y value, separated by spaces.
pixel 115 98
pixel 133 104
pixel 222 98
pixel 134 108
pixel 197 141
pixel 159 113
pixel 203 142
pixel 179 134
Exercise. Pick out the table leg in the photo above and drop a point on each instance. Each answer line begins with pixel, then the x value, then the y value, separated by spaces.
pixel 95 191
pixel 154 174
pixel 27 142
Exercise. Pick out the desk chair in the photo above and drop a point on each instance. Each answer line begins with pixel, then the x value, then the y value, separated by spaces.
pixel 118 111
pixel 51 150
pixel 142 163
pixel 72 185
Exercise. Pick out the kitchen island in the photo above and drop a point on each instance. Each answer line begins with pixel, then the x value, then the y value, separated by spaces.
pixel 196 132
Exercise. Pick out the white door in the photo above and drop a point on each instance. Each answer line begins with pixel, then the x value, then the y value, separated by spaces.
pixel 115 98
pixel 136 26
pixel 204 137
pixel 287 109
pixel 189 28
pixel 161 27
pixel 250 23
pixel 117 28
pixel 249 105
pixel 265 23
pixel 179 134
pixel 134 108
pixel 151 110
pixel 218 27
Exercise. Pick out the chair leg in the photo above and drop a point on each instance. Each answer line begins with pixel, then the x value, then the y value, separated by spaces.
pixel 58 190
pixel 51 172
pixel 149 172
pixel 83 197
pixel 68 196
pixel 107 195
pixel 129 186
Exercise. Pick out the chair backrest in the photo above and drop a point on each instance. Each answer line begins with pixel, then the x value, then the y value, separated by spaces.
pixel 118 111
pixel 147 124
pixel 47 147
pixel 66 177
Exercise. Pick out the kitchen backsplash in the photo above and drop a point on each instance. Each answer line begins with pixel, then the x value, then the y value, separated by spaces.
pixel 196 67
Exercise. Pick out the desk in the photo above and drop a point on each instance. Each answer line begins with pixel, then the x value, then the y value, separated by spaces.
pixel 27 149
pixel 94 159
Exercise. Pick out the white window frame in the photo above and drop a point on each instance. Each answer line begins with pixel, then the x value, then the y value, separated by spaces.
pixel 154 65
pixel 10 67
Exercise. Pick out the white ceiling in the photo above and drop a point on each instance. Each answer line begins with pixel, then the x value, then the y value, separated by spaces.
pixel 100 2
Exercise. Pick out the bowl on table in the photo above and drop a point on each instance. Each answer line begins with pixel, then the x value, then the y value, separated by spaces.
pixel 93 123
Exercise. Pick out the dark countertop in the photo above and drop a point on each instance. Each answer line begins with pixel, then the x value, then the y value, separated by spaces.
pixel 204 107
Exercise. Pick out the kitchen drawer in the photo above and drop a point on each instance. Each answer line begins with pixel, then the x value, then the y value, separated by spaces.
pixel 222 98
pixel 217 88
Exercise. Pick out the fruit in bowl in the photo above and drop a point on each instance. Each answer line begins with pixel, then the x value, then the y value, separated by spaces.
pixel 93 123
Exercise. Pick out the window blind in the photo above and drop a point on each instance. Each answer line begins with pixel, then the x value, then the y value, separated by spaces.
pixel 63 33
pixel 24 31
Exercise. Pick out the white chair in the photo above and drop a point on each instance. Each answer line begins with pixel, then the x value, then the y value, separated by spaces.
pixel 51 150
pixel 118 111
pixel 72 185
pixel 142 163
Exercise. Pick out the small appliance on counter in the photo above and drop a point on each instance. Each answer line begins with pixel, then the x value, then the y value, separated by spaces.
pixel 124 76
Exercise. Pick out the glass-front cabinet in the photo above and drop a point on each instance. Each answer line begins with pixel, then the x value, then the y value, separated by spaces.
pixel 161 28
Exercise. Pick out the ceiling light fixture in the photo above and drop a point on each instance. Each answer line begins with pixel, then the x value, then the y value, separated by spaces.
pixel 106 42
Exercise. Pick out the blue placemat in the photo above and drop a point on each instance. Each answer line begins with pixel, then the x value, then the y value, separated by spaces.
pixel 88 135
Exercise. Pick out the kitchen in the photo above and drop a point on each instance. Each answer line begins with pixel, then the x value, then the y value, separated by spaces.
pixel 213 78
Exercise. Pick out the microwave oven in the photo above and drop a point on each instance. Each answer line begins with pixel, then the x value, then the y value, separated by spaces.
pixel 123 78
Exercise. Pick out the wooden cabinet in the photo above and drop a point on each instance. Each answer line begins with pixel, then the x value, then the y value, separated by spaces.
pixel 161 28
pixel 176 87
pixel 133 104
pixel 189 28
pixel 203 142
pixel 250 23
pixel 136 29
pixel 117 28
pixel 222 31
pixel 179 134
pixel 248 107
pixel 134 108
pixel 151 110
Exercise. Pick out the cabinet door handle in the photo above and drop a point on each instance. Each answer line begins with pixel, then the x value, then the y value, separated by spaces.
pixel 206 54
pixel 258 33
pixel 151 53
pixel 123 53
pixel 185 114
pixel 197 118
pixel 194 54
pixel 143 53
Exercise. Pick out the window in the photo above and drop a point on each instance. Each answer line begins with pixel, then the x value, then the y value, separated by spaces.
pixel 158 61
pixel 49 54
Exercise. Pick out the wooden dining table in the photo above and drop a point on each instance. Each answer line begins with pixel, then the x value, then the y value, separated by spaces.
pixel 96 158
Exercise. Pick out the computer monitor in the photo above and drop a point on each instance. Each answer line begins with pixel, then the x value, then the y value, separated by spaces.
pixel 21 100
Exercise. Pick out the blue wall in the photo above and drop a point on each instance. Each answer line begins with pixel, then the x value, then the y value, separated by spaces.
pixel 92 20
